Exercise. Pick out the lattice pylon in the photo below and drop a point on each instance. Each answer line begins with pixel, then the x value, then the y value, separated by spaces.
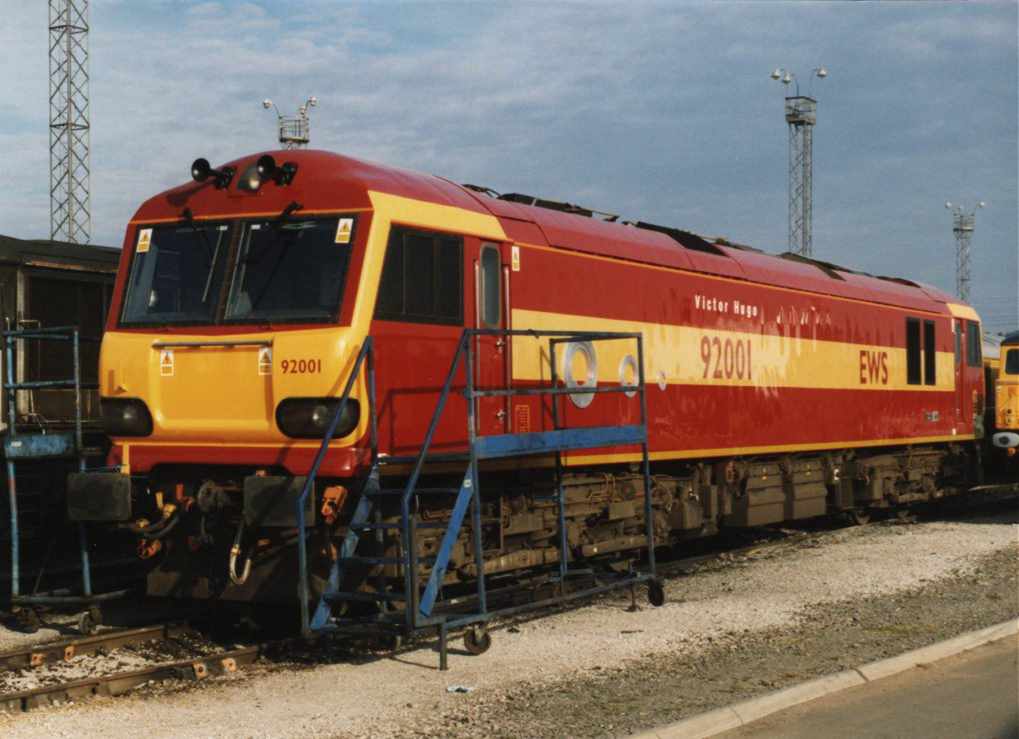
pixel 801 114
pixel 962 226
pixel 70 202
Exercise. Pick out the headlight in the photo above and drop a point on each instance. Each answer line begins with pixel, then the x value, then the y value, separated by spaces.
pixel 308 418
pixel 126 417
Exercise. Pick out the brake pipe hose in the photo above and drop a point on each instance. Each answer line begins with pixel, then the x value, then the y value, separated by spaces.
pixel 235 552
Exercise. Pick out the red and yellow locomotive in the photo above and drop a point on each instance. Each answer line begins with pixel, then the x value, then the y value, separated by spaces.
pixel 776 387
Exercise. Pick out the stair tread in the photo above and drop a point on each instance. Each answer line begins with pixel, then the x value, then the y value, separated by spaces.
pixel 368 526
pixel 362 595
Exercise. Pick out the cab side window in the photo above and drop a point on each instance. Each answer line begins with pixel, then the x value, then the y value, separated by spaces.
pixel 422 278
pixel 921 352
pixel 491 279
pixel 973 353
pixel 930 354
pixel 913 351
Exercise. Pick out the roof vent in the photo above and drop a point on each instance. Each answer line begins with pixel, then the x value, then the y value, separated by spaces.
pixel 685 239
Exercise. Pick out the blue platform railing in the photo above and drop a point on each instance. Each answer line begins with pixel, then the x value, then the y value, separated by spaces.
pixel 34 446
pixel 420 605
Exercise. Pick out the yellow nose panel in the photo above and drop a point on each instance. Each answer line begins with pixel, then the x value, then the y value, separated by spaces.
pixel 225 389
pixel 214 391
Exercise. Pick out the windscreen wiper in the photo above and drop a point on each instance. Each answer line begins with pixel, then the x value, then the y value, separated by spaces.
pixel 188 216
pixel 278 229
pixel 292 208
pixel 213 255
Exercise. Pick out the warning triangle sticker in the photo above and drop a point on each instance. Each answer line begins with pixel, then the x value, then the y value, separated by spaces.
pixel 343 230
pixel 144 240
pixel 166 363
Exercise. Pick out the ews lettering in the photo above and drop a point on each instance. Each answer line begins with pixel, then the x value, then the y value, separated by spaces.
pixel 873 368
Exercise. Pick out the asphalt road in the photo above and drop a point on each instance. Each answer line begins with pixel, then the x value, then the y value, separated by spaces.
pixel 974 695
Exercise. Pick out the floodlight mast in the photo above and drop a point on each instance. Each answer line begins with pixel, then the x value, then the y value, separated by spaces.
pixel 801 115
pixel 70 201
pixel 963 223
pixel 294 131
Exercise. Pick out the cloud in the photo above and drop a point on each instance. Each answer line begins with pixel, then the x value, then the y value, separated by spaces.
pixel 656 111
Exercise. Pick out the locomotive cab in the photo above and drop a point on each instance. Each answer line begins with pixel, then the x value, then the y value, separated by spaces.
pixel 233 326
pixel 1006 436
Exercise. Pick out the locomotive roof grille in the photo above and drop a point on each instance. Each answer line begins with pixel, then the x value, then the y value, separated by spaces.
pixel 828 268
pixel 516 197
pixel 900 280
pixel 722 241
pixel 684 238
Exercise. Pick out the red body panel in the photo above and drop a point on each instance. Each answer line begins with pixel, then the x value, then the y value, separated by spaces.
pixel 582 266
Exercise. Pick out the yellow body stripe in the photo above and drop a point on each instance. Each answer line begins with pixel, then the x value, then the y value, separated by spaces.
pixel 765 360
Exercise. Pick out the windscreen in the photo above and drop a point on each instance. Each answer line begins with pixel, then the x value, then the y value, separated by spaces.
pixel 290 271
pixel 1012 362
pixel 176 274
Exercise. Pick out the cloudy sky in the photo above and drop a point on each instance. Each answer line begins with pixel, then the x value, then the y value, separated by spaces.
pixel 656 111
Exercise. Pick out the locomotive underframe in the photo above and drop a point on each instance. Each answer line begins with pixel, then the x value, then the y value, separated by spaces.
pixel 187 518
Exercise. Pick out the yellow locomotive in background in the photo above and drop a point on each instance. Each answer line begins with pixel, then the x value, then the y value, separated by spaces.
pixel 1006 425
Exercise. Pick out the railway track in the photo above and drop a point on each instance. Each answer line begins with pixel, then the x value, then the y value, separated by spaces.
pixel 60 654
pixel 117 683
pixel 199 667
pixel 195 668
pixel 38 655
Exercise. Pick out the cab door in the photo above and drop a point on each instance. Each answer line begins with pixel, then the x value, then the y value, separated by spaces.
pixel 491 366
pixel 960 374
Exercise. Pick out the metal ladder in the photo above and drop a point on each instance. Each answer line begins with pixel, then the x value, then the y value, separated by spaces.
pixel 420 596
pixel 40 446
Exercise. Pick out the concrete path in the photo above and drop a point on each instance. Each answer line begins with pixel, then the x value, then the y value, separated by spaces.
pixel 974 694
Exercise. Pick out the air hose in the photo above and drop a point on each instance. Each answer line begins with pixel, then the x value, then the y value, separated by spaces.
pixel 169 526
pixel 235 552
pixel 157 530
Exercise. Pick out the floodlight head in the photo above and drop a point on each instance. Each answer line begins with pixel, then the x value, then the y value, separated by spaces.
pixel 822 72
pixel 948 204
pixel 776 74
pixel 787 78
pixel 267 103
pixel 981 204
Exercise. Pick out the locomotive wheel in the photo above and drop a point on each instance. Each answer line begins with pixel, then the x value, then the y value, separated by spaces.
pixel 655 593
pixel 859 516
pixel 26 620
pixel 905 515
pixel 86 623
pixel 390 642
pixel 477 640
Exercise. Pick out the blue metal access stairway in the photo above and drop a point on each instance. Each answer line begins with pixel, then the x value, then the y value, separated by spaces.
pixel 420 599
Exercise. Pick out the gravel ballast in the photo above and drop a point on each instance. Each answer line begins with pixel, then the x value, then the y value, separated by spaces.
pixel 740 627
